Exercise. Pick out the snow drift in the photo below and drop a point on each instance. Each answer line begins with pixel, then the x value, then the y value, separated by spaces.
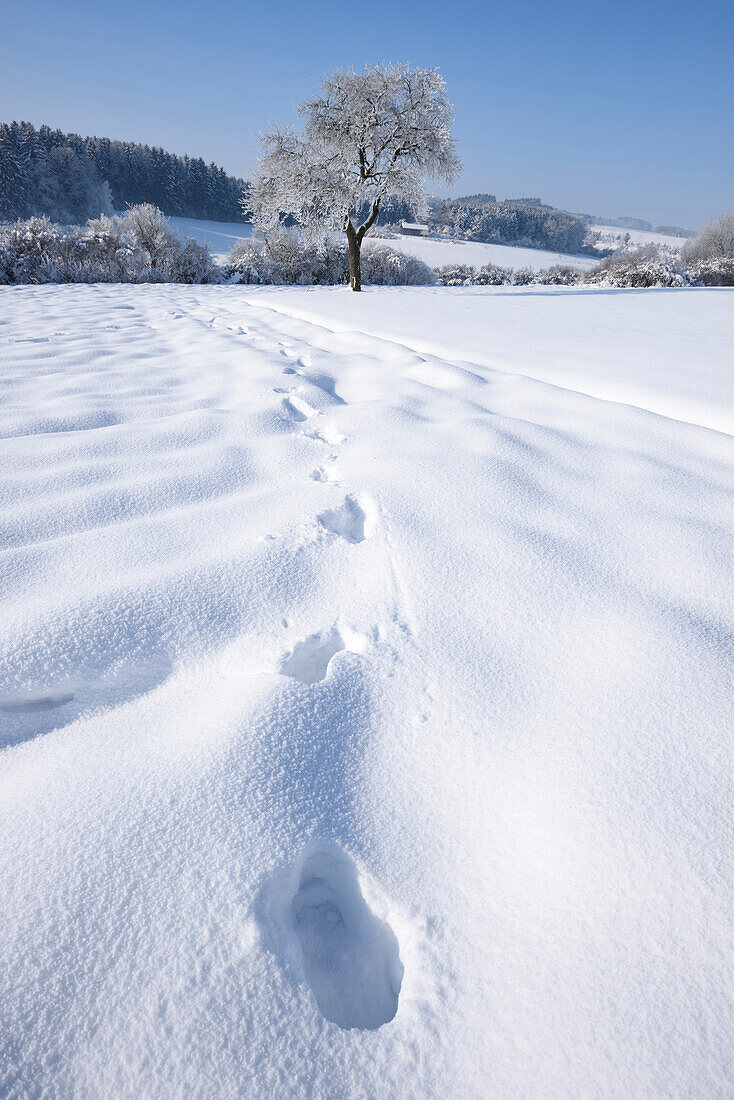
pixel 364 688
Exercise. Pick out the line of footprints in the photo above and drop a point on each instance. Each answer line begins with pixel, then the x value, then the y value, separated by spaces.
pixel 354 520
pixel 349 957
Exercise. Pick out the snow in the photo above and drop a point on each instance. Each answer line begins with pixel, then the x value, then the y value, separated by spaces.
pixel 365 673
pixel 222 237
pixel 637 236
pixel 437 252
pixel 599 342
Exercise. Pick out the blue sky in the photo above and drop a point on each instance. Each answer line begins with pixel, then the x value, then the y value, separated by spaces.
pixel 614 108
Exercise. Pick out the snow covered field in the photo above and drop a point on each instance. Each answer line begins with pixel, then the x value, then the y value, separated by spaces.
pixel 612 234
pixel 436 253
pixel 365 688
pixel 222 237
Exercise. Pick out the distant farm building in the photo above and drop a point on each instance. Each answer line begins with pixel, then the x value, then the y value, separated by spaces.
pixel 413 229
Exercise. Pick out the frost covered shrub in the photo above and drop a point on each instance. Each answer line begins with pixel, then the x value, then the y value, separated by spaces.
pixel 6 263
pixel 385 266
pixel 523 276
pixel 32 252
pixel 283 258
pixel 645 267
pixel 466 275
pixel 456 275
pixel 288 258
pixel 493 275
pixel 714 242
pixel 103 254
pixel 712 272
pixel 166 257
pixel 139 247
pixel 557 275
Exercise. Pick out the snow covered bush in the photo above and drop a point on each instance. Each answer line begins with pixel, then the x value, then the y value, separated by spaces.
pixel 557 275
pixel 645 267
pixel 714 242
pixel 703 265
pixel 167 257
pixel 32 252
pixel 385 266
pixel 522 276
pixel 456 275
pixel 139 247
pixel 494 275
pixel 285 257
pixel 716 271
pixel 466 275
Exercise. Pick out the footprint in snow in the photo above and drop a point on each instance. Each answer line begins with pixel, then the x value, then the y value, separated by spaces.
pixel 349 957
pixel 296 409
pixel 309 660
pixel 327 474
pixel 327 434
pixel 327 385
pixel 354 520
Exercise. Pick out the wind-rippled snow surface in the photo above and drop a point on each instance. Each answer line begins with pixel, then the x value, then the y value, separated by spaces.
pixel 365 693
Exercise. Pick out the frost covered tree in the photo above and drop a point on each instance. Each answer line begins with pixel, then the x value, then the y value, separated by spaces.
pixel 714 242
pixel 368 138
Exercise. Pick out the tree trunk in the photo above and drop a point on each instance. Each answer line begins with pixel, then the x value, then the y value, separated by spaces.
pixel 355 238
pixel 355 273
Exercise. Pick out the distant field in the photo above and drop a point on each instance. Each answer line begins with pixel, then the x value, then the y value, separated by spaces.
pixel 436 253
pixel 222 237
pixel 641 236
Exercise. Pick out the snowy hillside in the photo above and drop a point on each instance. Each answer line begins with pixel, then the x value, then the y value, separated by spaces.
pixel 436 253
pixel 222 237
pixel 364 692
pixel 612 236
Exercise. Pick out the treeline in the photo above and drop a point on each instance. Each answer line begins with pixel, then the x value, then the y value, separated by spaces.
pixel 639 223
pixel 70 178
pixel 674 231
pixel 619 223
pixel 514 221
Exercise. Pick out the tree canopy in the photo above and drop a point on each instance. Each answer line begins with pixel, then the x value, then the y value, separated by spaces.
pixel 367 137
